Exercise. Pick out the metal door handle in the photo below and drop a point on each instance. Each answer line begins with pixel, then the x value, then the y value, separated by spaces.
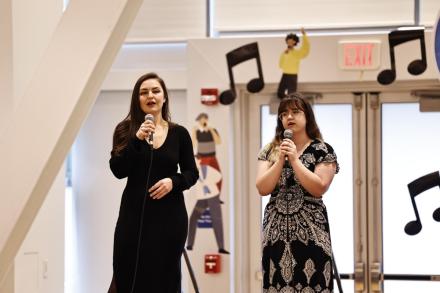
pixel 359 277
pixel 376 277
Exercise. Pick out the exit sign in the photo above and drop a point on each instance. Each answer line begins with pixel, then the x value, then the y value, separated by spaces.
pixel 359 55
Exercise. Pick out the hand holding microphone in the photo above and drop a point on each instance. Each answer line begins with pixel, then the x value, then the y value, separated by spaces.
pixel 146 129
pixel 288 147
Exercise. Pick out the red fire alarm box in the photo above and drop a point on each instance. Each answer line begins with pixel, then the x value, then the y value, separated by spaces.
pixel 209 96
pixel 212 263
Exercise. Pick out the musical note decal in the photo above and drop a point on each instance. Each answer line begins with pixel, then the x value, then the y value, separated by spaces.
pixel 236 57
pixel 416 187
pixel 416 67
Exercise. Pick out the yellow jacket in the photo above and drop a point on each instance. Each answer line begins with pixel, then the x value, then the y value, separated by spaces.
pixel 289 62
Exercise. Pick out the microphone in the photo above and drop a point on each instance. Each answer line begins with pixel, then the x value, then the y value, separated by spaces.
pixel 150 117
pixel 288 134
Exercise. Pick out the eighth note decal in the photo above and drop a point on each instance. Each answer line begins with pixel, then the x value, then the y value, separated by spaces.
pixel 416 67
pixel 235 57
pixel 416 187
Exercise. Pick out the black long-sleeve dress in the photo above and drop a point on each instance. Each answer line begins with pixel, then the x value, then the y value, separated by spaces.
pixel 165 222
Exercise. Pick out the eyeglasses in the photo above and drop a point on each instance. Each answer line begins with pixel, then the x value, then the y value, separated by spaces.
pixel 293 113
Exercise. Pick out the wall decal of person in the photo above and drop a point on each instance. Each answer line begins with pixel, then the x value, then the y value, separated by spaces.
pixel 208 197
pixel 208 190
pixel 205 138
pixel 289 63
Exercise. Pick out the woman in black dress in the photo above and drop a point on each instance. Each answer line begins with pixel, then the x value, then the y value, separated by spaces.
pixel 297 254
pixel 152 225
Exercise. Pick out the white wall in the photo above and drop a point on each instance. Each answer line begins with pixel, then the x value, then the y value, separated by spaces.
pixel 34 23
pixel 39 264
pixel 97 193
pixel 167 60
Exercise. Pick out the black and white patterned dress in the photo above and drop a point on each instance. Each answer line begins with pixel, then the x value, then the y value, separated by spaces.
pixel 297 253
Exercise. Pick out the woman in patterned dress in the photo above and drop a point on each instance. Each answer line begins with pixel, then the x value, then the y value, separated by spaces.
pixel 297 253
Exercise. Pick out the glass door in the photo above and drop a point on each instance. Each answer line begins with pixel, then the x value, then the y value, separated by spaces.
pixel 405 210
pixel 383 142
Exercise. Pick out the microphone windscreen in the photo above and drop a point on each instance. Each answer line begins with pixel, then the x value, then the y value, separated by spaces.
pixel 149 117
pixel 288 134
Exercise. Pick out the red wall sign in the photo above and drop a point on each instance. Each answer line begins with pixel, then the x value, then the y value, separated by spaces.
pixel 212 263
pixel 359 55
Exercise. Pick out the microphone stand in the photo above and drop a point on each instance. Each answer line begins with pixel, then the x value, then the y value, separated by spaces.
pixel 191 272
pixel 336 274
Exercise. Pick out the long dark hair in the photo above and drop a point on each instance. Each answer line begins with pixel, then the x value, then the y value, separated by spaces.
pixel 296 101
pixel 127 128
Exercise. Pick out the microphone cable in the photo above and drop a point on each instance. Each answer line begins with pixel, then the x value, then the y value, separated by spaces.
pixel 141 224
pixel 287 134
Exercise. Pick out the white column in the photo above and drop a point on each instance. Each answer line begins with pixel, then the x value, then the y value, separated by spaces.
pixel 6 103
pixel 54 105
pixel 8 285
pixel 5 63
pixel 33 24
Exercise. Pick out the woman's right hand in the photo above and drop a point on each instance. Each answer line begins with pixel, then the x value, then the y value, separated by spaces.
pixel 288 148
pixel 145 129
pixel 281 154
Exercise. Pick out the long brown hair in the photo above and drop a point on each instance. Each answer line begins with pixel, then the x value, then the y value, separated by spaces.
pixel 297 101
pixel 128 127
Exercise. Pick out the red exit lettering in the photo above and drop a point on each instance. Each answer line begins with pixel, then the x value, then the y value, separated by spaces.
pixel 358 55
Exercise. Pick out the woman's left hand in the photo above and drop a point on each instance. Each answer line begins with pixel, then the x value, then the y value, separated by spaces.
pixel 161 188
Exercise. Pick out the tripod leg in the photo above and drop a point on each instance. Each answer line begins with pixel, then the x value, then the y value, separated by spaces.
pixel 191 272
pixel 335 272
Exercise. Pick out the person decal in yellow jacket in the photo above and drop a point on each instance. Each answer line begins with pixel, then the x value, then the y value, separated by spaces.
pixel 289 63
